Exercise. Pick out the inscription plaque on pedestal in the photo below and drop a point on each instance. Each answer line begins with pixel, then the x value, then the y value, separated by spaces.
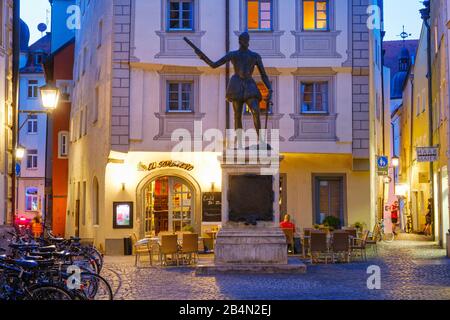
pixel 250 198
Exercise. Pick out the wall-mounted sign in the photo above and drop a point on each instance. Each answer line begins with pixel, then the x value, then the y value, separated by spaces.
pixel 212 206
pixel 165 164
pixel 427 154
pixel 123 215
pixel 383 166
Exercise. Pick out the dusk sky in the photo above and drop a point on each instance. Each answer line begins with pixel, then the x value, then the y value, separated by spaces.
pixel 397 14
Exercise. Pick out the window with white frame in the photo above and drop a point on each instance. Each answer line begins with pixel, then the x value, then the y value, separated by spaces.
pixel 32 124
pixel 259 14
pixel 31 199
pixel 63 144
pixel 315 14
pixel 314 97
pixel 180 96
pixel 32 89
pixel 181 15
pixel 32 159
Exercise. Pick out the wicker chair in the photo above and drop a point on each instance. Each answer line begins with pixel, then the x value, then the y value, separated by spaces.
pixel 305 241
pixel 359 245
pixel 169 246
pixel 189 249
pixel 341 244
pixel 139 249
pixel 318 247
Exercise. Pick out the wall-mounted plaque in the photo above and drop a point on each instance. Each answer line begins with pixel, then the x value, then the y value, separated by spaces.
pixel 212 206
pixel 123 215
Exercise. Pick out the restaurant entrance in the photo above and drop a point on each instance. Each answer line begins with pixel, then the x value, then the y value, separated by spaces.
pixel 168 205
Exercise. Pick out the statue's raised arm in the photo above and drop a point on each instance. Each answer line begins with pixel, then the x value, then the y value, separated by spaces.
pixel 205 58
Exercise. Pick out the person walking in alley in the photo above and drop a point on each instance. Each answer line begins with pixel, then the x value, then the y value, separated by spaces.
pixel 394 216
pixel 428 218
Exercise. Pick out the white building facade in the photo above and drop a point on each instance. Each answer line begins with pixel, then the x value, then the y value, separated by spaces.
pixel 136 82
pixel 32 131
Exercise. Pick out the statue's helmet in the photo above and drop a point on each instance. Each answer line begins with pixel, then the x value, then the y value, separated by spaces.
pixel 244 37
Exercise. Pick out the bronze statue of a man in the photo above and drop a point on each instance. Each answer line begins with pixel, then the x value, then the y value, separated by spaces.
pixel 242 88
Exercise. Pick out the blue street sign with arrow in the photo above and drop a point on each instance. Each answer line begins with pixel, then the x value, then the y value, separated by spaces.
pixel 383 165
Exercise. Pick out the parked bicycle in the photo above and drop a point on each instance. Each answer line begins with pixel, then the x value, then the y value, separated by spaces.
pixel 52 269
pixel 381 235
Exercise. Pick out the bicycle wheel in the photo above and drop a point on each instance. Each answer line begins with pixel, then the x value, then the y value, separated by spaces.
pixel 388 237
pixel 49 292
pixel 95 287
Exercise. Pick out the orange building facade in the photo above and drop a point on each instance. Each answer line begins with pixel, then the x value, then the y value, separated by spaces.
pixel 63 75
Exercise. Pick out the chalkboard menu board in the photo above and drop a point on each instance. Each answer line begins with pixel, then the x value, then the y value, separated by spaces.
pixel 212 206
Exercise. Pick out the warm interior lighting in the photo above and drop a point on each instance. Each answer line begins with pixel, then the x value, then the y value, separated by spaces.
pixel 253 14
pixel 308 15
pixel 49 96
pixel 20 153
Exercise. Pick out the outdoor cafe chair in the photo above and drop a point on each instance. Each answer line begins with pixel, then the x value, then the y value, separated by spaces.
pixel 289 233
pixel 169 246
pixel 359 245
pixel 189 248
pixel 351 231
pixel 318 247
pixel 305 241
pixel 340 245
pixel 140 248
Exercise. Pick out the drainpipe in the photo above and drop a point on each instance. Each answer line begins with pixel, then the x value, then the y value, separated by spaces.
pixel 15 100
pixel 227 67
pixel 425 15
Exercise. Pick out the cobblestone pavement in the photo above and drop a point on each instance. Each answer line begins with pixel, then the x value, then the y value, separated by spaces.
pixel 409 270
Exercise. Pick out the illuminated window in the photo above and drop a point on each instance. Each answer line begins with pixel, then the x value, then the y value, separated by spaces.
pixel 181 16
pixel 259 14
pixel 263 104
pixel 314 97
pixel 31 199
pixel 315 14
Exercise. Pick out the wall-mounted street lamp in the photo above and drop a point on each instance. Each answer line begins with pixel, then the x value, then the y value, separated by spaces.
pixel 49 96
pixel 20 153
pixel 395 161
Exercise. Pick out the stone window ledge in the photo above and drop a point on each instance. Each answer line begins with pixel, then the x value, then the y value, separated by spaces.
pixel 315 44
pixel 169 122
pixel 265 43
pixel 173 45
pixel 311 127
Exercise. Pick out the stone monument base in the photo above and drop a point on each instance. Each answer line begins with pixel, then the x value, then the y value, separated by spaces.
pixel 250 245
pixel 251 249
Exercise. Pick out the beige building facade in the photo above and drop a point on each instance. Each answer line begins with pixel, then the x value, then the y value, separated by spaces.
pixel 6 113
pixel 139 87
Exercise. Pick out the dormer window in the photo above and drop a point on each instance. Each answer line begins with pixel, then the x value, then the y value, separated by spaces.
pixel 38 59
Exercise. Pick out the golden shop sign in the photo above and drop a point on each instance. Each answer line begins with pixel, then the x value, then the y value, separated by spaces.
pixel 165 164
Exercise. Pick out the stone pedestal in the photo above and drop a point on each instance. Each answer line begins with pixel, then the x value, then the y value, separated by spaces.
pixel 250 245
pixel 259 248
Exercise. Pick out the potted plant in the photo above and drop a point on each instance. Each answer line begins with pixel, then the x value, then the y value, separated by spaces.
pixel 332 222
pixel 188 228
pixel 359 226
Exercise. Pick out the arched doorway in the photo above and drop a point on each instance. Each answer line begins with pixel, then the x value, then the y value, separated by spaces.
pixel 168 204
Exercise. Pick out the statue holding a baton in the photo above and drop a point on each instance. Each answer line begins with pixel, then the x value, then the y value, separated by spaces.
pixel 242 88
